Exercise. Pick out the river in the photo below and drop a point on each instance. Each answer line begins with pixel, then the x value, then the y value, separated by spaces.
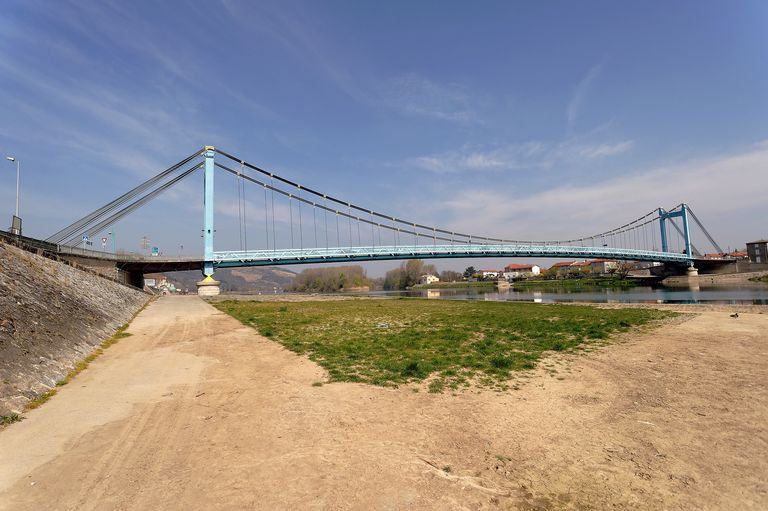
pixel 755 294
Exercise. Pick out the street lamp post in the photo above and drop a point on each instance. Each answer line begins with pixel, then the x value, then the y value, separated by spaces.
pixel 16 223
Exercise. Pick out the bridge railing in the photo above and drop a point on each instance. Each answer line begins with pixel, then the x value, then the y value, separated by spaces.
pixel 287 256
pixel 132 257
pixel 53 248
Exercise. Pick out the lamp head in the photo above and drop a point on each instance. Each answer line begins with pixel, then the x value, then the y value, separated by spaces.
pixel 10 158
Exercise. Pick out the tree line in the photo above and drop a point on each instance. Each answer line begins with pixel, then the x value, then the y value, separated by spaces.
pixel 330 279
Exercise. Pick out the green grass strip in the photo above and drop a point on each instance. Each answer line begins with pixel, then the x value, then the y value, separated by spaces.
pixel 448 343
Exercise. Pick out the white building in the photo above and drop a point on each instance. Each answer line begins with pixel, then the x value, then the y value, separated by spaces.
pixel 428 279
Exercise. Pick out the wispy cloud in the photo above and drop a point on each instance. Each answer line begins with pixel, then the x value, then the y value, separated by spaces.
pixel 715 188
pixel 97 23
pixel 115 118
pixel 603 150
pixel 304 38
pixel 573 110
pixel 413 94
pixel 309 42
pixel 527 155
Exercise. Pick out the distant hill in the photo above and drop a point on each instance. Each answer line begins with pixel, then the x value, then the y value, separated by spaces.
pixel 239 280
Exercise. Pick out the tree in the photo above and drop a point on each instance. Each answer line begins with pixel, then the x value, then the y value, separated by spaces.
pixel 412 270
pixel 450 276
pixel 329 279
pixel 623 269
pixel 393 279
pixel 408 274
pixel 469 272
pixel 550 273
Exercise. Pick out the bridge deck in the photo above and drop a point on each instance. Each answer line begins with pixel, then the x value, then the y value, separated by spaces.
pixel 349 254
pixel 227 259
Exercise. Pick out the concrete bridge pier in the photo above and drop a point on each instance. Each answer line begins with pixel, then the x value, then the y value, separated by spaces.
pixel 208 286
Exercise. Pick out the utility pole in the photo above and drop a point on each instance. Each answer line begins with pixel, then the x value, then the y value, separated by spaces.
pixel 16 222
pixel 145 243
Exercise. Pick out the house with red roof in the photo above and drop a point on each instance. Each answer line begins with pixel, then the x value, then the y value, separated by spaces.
pixel 561 269
pixel 521 271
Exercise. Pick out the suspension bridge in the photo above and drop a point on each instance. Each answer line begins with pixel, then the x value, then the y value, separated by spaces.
pixel 320 228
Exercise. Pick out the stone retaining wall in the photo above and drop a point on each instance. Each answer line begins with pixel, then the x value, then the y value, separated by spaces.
pixel 52 316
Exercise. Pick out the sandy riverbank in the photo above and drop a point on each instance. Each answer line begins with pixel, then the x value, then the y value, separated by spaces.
pixel 196 411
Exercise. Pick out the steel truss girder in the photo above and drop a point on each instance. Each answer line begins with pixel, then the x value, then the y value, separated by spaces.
pixel 349 254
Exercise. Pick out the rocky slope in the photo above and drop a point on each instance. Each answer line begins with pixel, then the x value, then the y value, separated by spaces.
pixel 51 316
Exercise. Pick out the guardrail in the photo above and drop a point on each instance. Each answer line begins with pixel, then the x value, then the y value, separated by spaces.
pixel 17 239
pixel 95 254
pixel 53 248
pixel 53 251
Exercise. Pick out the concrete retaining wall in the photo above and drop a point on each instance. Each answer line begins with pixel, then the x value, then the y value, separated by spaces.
pixel 713 279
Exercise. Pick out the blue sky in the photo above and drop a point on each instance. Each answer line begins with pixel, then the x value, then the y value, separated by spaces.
pixel 514 119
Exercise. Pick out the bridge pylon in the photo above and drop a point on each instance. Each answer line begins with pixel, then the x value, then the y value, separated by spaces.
pixel 208 286
pixel 668 215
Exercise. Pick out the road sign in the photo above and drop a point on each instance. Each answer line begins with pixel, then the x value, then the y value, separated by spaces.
pixel 155 251
pixel 103 242
pixel 85 237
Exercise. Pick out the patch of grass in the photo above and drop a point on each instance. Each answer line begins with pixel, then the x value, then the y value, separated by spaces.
pixel 761 278
pixel 317 384
pixel 448 343
pixel 83 364
pixel 42 398
pixel 10 419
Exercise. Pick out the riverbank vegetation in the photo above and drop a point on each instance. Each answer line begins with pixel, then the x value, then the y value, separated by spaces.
pixel 330 279
pixel 761 278
pixel 576 283
pixel 447 343
pixel 407 274
pixel 487 284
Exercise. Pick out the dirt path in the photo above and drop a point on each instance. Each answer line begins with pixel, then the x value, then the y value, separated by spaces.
pixel 195 411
